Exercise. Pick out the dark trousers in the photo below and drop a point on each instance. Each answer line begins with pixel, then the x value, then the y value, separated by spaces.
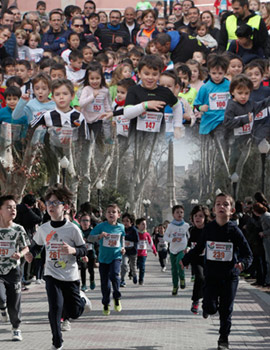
pixel 198 283
pixel 88 266
pixel 218 295
pixel 10 295
pixel 162 255
pixel 63 297
pixel 141 260
pixel 110 276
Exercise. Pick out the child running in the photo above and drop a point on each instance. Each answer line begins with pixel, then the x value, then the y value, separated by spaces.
pixel 14 245
pixel 227 253
pixel 64 245
pixel 177 235
pixel 144 240
pixel 111 248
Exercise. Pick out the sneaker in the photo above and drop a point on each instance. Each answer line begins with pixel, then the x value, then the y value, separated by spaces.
pixel 123 284
pixel 195 307
pixel 182 284
pixel 192 279
pixel 4 315
pixel 106 310
pixel 164 269
pixel 223 343
pixel 117 305
pixel 66 326
pixel 92 285
pixel 141 283
pixel 175 291
pixel 205 315
pixel 16 335
pixel 130 275
pixel 84 288
pixel 135 279
pixel 38 281
pixel 55 348
pixel 88 305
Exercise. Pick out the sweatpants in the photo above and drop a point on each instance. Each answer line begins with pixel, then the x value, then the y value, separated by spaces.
pixel 110 276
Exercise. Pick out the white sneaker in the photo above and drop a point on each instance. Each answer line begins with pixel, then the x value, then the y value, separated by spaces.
pixel 88 305
pixel 16 335
pixel 38 281
pixel 54 348
pixel 164 269
pixel 4 315
pixel 66 326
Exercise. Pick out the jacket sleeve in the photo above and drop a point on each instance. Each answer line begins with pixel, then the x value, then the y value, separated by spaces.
pixel 223 38
pixel 87 97
pixel 230 119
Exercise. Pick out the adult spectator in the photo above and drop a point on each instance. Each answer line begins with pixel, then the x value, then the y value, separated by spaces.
pixel 56 37
pixel 208 18
pixel 149 30
pixel 7 19
pixel 181 45
pixel 5 34
pixel 92 32
pixel 130 25
pixel 113 35
pixel 93 24
pixel 103 18
pixel 242 15
pixel 194 18
pixel 177 11
pixel 32 16
pixel 77 26
pixel 186 5
pixel 89 7
pixel 17 16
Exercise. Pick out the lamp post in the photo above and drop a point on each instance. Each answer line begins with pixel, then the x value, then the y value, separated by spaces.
pixel 99 186
pixel 146 203
pixel 264 149
pixel 127 206
pixel 208 202
pixel 64 163
pixel 218 191
pixel 194 201
pixel 235 179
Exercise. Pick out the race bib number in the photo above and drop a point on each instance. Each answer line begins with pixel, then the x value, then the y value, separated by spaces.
pixel 149 121
pixel 262 114
pixel 7 248
pixel 54 251
pixel 89 246
pixel 97 105
pixel 243 130
pixel 112 241
pixel 219 251
pixel 218 100
pixel 142 245
pixel 129 244
pixel 168 122
pixel 122 125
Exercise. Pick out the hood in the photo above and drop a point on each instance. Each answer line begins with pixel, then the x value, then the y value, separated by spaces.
pixel 175 36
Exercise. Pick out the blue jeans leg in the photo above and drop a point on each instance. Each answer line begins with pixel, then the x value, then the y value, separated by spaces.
pixel 141 266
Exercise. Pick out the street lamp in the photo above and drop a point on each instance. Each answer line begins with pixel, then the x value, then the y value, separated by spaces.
pixel 235 179
pixel 208 202
pixel 64 164
pixel 127 206
pixel 99 186
pixel 218 191
pixel 146 203
pixel 194 201
pixel 264 149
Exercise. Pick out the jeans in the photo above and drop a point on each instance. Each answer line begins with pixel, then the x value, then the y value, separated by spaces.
pixel 110 276
pixel 141 260
pixel 162 255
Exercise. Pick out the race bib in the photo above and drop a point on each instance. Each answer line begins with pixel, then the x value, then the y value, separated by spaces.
pixel 219 251
pixel 129 244
pixel 149 121
pixel 54 251
pixel 122 125
pixel 89 246
pixel 142 245
pixel 243 130
pixel 218 100
pixel 112 241
pixel 168 122
pixel 97 105
pixel 262 114
pixel 7 248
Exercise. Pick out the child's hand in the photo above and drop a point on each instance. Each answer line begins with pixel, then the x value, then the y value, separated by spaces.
pixel 250 117
pixel 181 264
pixel 123 251
pixel 85 259
pixel 67 249
pixel 15 256
pixel 28 257
pixel 261 234
pixel 103 234
pixel 239 266
pixel 106 116
pixel 204 108
pixel 26 96
pixel 156 105
pixel 179 132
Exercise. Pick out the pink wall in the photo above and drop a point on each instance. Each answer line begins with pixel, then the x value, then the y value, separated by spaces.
pixel 101 4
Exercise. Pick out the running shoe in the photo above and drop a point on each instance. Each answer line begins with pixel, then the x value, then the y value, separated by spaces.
pixel 195 307
pixel 117 305
pixel 106 310
pixel 16 335
pixel 66 326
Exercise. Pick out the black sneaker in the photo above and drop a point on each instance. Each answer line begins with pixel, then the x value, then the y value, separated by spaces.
pixel 223 343
pixel 195 307
pixel 205 315
pixel 135 279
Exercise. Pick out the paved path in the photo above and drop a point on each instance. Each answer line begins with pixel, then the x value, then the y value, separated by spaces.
pixel 152 319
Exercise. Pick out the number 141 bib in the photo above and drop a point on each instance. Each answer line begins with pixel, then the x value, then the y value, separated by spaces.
pixel 219 251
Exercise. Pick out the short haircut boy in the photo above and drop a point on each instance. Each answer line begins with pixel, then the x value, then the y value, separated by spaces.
pixel 131 217
pixel 22 33
pixel 254 64
pixel 171 74
pixel 24 63
pixel 151 61
pixel 45 63
pixel 60 82
pixel 14 80
pixel 217 61
pixel 134 52
pixel 62 193
pixel 75 55
pixel 42 77
pixel 139 221
pixel 12 91
pixel 58 66
pixel 41 4
pixel 126 83
pixel 6 198
pixel 115 206
pixel 177 206
pixel 185 70
pixel 240 81
pixel 102 57
pixel 228 196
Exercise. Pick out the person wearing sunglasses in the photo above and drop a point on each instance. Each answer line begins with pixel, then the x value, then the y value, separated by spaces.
pixel 170 26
